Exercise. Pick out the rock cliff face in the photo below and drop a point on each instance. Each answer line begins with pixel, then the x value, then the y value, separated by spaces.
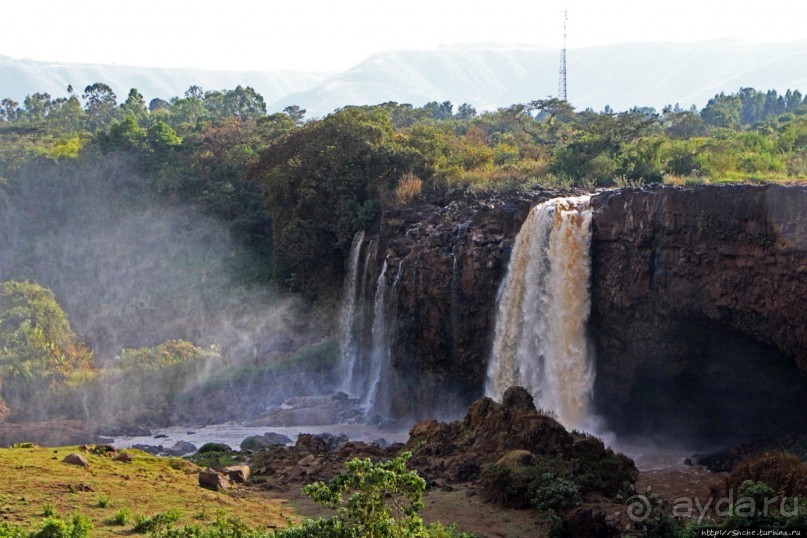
pixel 699 302
pixel 699 309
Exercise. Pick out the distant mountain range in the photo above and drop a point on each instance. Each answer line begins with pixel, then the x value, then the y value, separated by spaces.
pixel 622 76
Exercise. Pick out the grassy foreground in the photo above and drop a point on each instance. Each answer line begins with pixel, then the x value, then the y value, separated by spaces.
pixel 34 482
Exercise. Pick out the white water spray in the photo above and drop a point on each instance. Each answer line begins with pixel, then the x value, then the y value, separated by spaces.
pixel 543 306
pixel 348 315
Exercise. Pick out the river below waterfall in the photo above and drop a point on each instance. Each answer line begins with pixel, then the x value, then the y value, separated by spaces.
pixel 232 433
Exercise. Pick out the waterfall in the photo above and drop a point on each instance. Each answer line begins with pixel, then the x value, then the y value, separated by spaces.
pixel 365 328
pixel 543 306
pixel 349 314
pixel 380 349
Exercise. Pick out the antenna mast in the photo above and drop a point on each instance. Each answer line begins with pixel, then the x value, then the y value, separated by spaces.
pixel 562 79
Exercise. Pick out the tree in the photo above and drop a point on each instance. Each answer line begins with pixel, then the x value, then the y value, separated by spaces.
pixel 37 107
pixel 723 111
pixel 66 115
pixel 9 111
pixel 124 135
pixel 37 347
pixel 159 104
pixel 241 102
pixel 296 114
pixel 135 106
pixel 100 107
pixel 322 183
pixel 466 112
pixel 439 111
pixel 686 124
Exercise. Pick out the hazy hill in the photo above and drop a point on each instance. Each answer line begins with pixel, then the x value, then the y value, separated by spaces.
pixel 19 78
pixel 651 74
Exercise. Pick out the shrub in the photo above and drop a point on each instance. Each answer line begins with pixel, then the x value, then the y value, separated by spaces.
pixel 784 472
pixel 522 486
pixel 550 492
pixel 157 522
pixel 78 526
pixel 122 517
pixel 384 500
pixel 7 530
pixel 407 189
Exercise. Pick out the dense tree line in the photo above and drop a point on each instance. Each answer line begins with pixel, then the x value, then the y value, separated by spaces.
pixel 295 191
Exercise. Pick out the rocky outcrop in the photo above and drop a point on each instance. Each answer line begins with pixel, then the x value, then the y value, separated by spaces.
pixel 699 301
pixel 457 452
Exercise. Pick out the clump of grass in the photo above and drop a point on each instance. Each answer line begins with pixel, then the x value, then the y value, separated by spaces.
pixel 407 189
pixel 154 523
pixel 122 517
pixel 48 510
pixel 103 501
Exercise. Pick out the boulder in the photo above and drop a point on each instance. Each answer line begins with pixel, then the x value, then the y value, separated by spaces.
pixel 180 448
pixel 213 480
pixel 104 450
pixel 76 459
pixel 125 457
pixel 257 442
pixel 312 443
pixel 150 449
pixel 237 473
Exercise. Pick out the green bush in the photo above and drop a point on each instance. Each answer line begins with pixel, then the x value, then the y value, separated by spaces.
pixel 156 523
pixel 122 517
pixel 78 526
pixel 384 501
pixel 550 492
pixel 7 530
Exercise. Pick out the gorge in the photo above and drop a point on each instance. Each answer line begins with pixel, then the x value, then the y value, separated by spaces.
pixel 696 308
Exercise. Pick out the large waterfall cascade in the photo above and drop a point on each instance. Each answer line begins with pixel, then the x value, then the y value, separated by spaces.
pixel 543 308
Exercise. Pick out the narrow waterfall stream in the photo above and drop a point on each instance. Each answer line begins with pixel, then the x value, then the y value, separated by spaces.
pixel 350 315
pixel 543 307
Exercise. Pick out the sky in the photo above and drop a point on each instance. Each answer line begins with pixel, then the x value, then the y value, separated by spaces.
pixel 327 35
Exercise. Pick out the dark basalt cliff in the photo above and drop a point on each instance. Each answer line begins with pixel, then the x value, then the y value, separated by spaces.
pixel 699 309
pixel 699 305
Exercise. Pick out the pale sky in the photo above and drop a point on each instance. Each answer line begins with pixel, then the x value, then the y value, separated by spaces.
pixel 317 35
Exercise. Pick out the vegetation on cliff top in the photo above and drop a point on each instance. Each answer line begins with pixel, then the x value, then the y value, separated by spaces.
pixel 314 183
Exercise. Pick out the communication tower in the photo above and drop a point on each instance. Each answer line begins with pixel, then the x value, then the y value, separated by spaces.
pixel 562 80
